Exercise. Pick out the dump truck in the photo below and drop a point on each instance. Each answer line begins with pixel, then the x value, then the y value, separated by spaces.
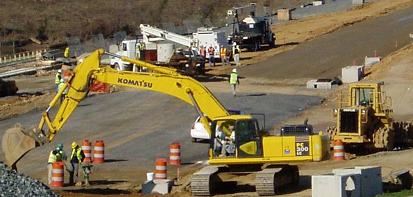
pixel 250 151
pixel 252 31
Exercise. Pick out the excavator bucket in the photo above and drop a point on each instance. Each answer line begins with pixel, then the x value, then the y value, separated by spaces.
pixel 15 144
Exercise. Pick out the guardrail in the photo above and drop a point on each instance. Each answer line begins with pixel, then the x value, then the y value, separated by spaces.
pixel 21 58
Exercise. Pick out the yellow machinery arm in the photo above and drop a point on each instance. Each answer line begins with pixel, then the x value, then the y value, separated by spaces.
pixel 163 80
pixel 159 79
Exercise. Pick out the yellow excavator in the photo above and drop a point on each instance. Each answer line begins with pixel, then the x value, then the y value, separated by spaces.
pixel 241 147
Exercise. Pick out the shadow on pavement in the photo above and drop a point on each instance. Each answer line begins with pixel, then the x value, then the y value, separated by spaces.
pixel 114 160
pixel 106 191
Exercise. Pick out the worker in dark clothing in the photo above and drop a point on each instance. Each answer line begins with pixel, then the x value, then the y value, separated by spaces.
pixel 76 159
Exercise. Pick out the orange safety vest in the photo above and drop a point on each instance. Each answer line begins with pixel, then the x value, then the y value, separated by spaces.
pixel 223 51
pixel 202 52
pixel 211 50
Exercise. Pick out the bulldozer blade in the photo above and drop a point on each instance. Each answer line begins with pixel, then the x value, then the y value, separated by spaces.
pixel 15 144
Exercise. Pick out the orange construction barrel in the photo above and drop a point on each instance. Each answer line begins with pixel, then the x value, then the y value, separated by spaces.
pixel 160 168
pixel 57 174
pixel 338 150
pixel 87 150
pixel 99 152
pixel 175 154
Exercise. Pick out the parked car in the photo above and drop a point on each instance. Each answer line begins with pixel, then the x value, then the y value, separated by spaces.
pixel 198 131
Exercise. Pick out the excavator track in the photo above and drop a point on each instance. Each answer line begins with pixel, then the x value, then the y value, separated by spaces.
pixel 204 182
pixel 269 180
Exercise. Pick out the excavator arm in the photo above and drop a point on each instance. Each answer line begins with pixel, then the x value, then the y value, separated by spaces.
pixel 159 79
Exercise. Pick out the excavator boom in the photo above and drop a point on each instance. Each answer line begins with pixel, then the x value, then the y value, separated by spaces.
pixel 17 141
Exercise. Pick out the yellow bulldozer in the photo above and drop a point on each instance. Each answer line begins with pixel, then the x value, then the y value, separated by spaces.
pixel 364 118
pixel 242 147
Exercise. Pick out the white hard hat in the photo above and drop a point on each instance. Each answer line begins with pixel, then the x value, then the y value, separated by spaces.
pixel 234 70
pixel 59 71
pixel 234 44
pixel 62 80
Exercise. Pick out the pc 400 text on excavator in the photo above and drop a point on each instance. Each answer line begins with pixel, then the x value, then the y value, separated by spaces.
pixel 252 150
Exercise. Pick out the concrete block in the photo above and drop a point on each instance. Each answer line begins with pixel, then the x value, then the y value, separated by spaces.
pixel 358 2
pixel 318 3
pixel 320 84
pixel 351 74
pixel 331 185
pixel 371 181
pixel 284 14
pixel 157 186
pixel 370 61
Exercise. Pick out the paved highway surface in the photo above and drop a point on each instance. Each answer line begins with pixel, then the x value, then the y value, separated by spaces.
pixel 137 127
pixel 325 56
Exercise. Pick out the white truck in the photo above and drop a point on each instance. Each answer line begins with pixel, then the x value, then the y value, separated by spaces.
pixel 203 37
pixel 211 37
pixel 127 48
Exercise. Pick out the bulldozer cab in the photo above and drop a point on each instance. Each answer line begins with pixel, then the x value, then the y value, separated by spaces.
pixel 362 96
pixel 236 138
pixel 369 95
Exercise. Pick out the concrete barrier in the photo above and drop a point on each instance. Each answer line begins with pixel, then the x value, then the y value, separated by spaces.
pixel 319 84
pixel 350 74
pixel 371 181
pixel 370 61
pixel 331 185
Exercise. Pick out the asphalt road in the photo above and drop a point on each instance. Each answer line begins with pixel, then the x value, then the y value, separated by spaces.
pixel 137 127
pixel 325 56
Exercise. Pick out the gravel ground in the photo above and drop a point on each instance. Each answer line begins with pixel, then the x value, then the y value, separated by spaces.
pixel 16 184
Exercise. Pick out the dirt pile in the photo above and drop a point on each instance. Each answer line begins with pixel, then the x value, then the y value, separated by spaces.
pixel 7 88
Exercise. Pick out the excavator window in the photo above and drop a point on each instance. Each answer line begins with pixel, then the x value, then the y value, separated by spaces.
pixel 248 138
pixel 236 138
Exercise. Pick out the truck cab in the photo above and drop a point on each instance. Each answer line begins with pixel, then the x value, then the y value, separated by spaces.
pixel 128 48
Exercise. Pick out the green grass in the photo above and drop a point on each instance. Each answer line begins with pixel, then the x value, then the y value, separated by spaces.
pixel 402 193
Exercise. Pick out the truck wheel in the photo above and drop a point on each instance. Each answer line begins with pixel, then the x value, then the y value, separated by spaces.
pixel 257 46
pixel 272 43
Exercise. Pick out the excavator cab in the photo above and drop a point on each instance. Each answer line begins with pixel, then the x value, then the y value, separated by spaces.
pixel 238 137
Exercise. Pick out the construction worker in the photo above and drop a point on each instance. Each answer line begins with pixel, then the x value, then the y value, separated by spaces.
pixel 222 54
pixel 61 86
pixel 202 53
pixel 56 155
pixel 219 142
pixel 141 48
pixel 231 142
pixel 234 81
pixel 76 158
pixel 67 52
pixel 227 56
pixel 57 79
pixel 236 51
pixel 211 53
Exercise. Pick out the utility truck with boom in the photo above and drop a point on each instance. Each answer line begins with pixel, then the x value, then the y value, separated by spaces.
pixel 249 151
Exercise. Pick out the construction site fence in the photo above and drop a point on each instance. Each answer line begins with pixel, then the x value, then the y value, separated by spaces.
pixel 19 58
